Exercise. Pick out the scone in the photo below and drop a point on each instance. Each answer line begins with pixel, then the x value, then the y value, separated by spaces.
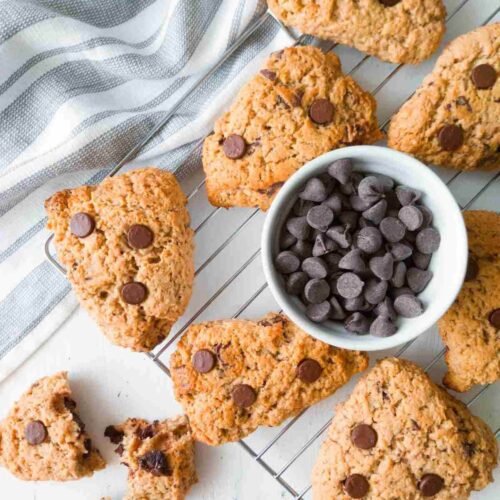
pixel 398 31
pixel 453 118
pixel 471 327
pixel 399 436
pixel 232 376
pixel 159 457
pixel 127 247
pixel 43 438
pixel 298 107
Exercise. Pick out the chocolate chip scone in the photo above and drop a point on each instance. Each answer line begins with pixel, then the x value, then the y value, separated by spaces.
pixel 300 106
pixel 43 438
pixel 471 327
pixel 398 31
pixel 399 436
pixel 232 376
pixel 452 119
pixel 127 247
pixel 159 457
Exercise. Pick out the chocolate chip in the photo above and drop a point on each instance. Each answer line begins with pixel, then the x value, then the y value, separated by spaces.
pixel 323 245
pixel 243 395
pixel 203 361
pixel 320 217
pixel 382 267
pixel 411 217
pixel 296 282
pixel 315 267
pixel 299 227
pixel 69 404
pixel 392 229
pixel 357 304
pixel 472 269
pixel 356 485
pixel 382 326
pixel 286 262
pixel 113 434
pixel 428 240
pixel 340 235
pixel 301 207
pixel 369 239
pixel 399 251
pixel 120 449
pixel 418 279
pixel 146 432
pixel 156 463
pixel 234 147
pixel 386 309
pixel 359 204
pixel 309 370
pixel 408 306
pixel 399 275
pixel 287 240
pixel 349 285
pixel 371 188
pixel 421 260
pixel 484 76
pixel 376 213
pixel 321 111
pixel 494 318
pixel 364 436
pixel 332 261
pixel 389 3
pixel 140 236
pixel 334 203
pixel 267 73
pixel 134 293
pixel 427 215
pixel 302 249
pixel 430 484
pixel 35 432
pixel 316 291
pixel 407 195
pixel 337 312
pixel 296 99
pixel 357 323
pixel 319 312
pixel 341 170
pixel 451 137
pixel 314 190
pixel 375 291
pixel 353 261
pixel 398 292
pixel 469 448
pixel 82 224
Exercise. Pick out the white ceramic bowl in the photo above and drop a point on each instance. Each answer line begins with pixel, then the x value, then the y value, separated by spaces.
pixel 448 264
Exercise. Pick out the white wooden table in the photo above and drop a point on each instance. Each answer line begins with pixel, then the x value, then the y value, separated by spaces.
pixel 112 384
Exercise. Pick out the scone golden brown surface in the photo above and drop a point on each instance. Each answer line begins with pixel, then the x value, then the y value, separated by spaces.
pixel 398 435
pixel 471 327
pixel 127 248
pixel 453 118
pixel 232 376
pixel 398 31
pixel 298 107
pixel 159 457
pixel 43 438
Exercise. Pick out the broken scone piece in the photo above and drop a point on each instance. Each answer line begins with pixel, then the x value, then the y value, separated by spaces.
pixel 127 248
pixel 43 438
pixel 159 457
pixel 452 120
pixel 232 376
pixel 470 329
pixel 398 31
pixel 298 107
pixel 399 435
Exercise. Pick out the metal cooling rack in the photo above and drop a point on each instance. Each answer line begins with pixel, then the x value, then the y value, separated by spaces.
pixel 260 453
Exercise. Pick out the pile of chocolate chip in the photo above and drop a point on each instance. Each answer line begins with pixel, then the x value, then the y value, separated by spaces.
pixel 356 248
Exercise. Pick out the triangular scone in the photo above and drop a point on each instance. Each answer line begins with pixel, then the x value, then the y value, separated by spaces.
pixel 470 328
pixel 232 376
pixel 399 436
pixel 159 457
pixel 453 119
pixel 127 248
pixel 398 31
pixel 43 437
pixel 300 106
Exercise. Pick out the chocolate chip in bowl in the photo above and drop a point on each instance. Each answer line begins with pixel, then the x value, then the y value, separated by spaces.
pixel 353 243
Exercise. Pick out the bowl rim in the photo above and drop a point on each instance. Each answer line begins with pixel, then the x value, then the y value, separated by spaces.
pixel 311 168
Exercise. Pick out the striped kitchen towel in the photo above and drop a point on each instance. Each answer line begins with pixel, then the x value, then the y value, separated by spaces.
pixel 82 82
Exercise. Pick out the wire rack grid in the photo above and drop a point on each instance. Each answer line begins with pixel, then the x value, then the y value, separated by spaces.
pixel 468 197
